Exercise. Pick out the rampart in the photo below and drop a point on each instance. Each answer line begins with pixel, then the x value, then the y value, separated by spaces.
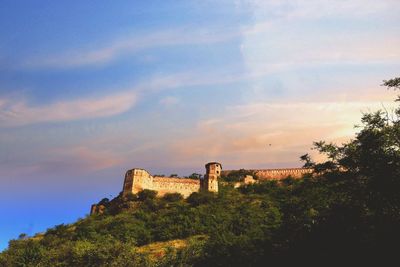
pixel 183 186
pixel 137 180
pixel 276 174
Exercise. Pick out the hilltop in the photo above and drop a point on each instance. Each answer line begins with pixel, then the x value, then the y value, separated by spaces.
pixel 347 211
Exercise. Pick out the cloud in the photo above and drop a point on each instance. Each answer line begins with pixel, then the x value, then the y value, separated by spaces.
pixel 62 160
pixel 19 112
pixel 107 52
pixel 268 16
pixel 275 41
pixel 89 159
pixel 16 112
pixel 169 101
pixel 269 134
pixel 314 9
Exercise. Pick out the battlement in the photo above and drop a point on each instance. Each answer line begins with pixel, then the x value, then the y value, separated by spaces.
pixel 276 174
pixel 137 180
pixel 160 179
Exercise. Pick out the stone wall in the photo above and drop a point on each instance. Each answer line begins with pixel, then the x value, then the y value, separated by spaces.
pixel 183 186
pixel 248 179
pixel 137 179
pixel 277 174
pixel 97 209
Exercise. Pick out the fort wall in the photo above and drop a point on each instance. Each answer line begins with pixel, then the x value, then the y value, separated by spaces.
pixel 183 186
pixel 137 180
pixel 276 174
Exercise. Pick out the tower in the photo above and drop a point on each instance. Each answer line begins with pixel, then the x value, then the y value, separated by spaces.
pixel 136 180
pixel 213 172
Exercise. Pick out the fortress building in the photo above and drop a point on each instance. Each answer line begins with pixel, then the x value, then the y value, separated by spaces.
pixel 138 179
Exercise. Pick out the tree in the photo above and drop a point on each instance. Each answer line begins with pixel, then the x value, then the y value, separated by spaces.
pixel 364 173
pixel 392 83
pixel 173 197
pixel 147 194
pixel 195 176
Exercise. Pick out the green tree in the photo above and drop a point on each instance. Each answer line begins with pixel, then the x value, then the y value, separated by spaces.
pixel 173 197
pixel 195 176
pixel 147 194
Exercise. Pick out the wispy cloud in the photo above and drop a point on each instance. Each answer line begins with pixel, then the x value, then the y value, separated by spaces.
pixel 65 160
pixel 314 9
pixel 17 112
pixel 267 16
pixel 114 49
pixel 89 159
pixel 270 134
pixel 169 101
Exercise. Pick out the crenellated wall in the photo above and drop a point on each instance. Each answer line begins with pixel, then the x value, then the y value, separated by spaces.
pixel 183 186
pixel 138 179
pixel 277 174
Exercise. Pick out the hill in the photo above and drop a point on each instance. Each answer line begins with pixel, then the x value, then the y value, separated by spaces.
pixel 346 211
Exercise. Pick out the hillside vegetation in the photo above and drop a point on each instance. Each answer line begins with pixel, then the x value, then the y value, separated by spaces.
pixel 348 210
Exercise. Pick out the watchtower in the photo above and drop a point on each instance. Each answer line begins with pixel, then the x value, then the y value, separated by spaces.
pixel 213 172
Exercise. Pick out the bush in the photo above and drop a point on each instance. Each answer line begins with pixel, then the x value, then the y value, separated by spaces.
pixel 173 197
pixel 147 194
pixel 238 176
pixel 198 198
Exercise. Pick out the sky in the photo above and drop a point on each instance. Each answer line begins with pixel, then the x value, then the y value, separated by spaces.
pixel 90 89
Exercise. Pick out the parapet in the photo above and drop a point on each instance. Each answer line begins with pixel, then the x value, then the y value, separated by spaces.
pixel 276 174
pixel 139 179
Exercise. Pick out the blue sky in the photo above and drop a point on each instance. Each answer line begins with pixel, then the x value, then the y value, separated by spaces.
pixel 90 89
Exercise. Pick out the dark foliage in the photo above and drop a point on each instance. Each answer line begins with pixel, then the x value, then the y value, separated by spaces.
pixel 173 197
pixel 238 176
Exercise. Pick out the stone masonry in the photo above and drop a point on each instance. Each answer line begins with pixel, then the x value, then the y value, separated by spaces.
pixel 138 179
pixel 277 174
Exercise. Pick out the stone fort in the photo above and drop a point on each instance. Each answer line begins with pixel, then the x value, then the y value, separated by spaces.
pixel 138 179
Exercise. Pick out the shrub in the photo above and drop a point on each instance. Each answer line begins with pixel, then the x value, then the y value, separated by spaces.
pixel 147 194
pixel 173 197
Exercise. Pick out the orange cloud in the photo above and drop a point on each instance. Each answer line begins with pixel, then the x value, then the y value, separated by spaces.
pixel 268 135
pixel 16 113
